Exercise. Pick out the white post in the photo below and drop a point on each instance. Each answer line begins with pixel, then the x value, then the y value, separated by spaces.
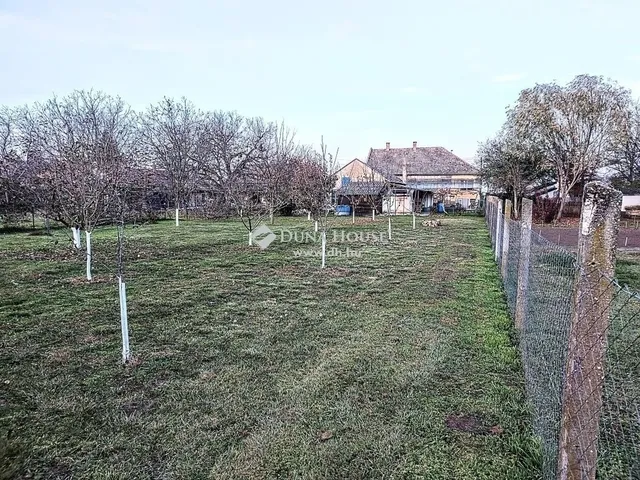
pixel 177 217
pixel 124 321
pixel 498 229
pixel 88 235
pixel 414 220
pixel 316 225
pixel 389 227
pixel 324 247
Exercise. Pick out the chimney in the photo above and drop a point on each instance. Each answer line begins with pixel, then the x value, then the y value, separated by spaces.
pixel 388 145
pixel 415 144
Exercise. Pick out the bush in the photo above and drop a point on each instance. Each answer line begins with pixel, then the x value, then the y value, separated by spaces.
pixel 545 209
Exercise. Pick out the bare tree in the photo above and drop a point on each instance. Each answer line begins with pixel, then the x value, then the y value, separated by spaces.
pixel 230 149
pixel 275 168
pixel 573 125
pixel 83 142
pixel 16 196
pixel 171 132
pixel 314 179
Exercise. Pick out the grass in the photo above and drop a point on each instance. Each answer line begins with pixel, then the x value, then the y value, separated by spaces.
pixel 399 363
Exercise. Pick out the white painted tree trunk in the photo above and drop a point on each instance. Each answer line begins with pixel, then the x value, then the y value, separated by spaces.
pixel 353 216
pixel 414 220
pixel 373 213
pixel 324 248
pixel 309 216
pixel 177 217
pixel 124 321
pixel 75 233
pixel 88 237
pixel 389 227
pixel 250 239
pixel 316 226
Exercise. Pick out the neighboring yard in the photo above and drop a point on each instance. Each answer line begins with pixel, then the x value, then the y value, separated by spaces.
pixel 258 364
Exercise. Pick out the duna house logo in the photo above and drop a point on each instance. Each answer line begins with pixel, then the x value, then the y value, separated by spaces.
pixel 268 238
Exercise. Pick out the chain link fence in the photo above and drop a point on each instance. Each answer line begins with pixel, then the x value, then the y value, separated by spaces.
pixel 579 337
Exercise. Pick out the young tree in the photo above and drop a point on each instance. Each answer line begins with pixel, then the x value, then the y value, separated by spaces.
pixel 373 184
pixel 171 132
pixel 573 125
pixel 83 141
pixel 313 181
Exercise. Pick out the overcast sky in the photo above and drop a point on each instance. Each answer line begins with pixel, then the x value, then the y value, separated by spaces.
pixel 358 72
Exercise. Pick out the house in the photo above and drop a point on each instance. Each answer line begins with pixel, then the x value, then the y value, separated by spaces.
pixel 409 179
pixel 363 187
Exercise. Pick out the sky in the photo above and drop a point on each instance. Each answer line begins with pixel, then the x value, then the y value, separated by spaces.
pixel 357 73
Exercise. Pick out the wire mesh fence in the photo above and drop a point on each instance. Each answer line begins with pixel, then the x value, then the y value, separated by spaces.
pixel 580 344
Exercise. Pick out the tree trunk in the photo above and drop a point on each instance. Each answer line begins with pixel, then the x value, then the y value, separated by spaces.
pixel 250 239
pixel 177 216
pixel 324 248
pixel 563 199
pixel 353 216
pixel 88 236
pixel 389 227
pixel 271 216
pixel 75 233
pixel 414 220
pixel 515 205
pixel 373 212
pixel 316 227
pixel 309 216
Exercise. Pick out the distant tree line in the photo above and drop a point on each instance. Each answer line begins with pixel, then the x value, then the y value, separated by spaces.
pixel 565 134
pixel 88 158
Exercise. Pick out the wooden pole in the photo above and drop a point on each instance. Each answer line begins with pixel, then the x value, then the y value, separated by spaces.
pixel 584 369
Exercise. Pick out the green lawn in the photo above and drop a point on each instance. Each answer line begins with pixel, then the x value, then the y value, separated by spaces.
pixel 258 364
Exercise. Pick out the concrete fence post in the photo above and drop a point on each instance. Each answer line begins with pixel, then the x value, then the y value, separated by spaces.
pixel 584 369
pixel 498 228
pixel 523 262
pixel 506 222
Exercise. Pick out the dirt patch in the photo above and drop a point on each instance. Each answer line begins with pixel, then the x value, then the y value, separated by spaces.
pixel 470 423
pixel 568 236
pixel 137 406
pixel 61 355
pixel 448 321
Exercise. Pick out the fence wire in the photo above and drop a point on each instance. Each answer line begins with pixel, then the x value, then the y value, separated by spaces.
pixel 589 371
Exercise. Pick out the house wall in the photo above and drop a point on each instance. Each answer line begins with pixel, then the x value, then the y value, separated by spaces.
pixel 397 204
pixel 357 171
pixel 446 181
